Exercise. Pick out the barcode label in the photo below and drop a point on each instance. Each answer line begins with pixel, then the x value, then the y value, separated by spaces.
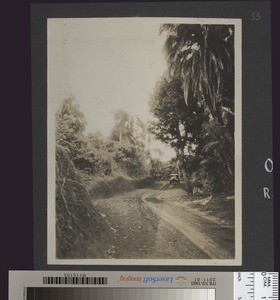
pixel 76 280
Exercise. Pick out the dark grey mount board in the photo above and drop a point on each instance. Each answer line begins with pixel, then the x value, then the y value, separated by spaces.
pixel 257 212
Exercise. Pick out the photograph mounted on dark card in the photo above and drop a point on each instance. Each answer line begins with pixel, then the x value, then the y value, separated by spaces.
pixel 144 121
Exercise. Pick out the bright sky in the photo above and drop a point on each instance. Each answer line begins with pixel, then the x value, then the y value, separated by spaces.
pixel 106 64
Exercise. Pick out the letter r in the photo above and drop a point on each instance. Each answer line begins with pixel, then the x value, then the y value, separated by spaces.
pixel 266 192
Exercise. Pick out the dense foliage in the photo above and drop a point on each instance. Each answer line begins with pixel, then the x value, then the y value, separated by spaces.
pixel 202 56
pixel 193 109
pixel 122 153
pixel 193 104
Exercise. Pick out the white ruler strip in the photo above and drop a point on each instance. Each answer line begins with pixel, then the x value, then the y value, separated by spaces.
pixel 256 286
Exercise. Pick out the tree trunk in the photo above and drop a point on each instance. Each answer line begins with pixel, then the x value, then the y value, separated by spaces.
pixel 184 174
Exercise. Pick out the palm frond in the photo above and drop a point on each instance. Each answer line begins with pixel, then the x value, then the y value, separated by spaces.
pixel 200 54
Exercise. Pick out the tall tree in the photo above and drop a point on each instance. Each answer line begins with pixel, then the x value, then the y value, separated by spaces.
pixel 129 134
pixel 202 56
pixel 128 128
pixel 176 124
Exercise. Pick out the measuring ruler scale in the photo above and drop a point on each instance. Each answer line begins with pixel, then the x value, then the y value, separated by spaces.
pixel 87 285
pixel 256 285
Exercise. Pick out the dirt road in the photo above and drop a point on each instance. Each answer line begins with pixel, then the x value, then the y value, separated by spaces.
pixel 163 222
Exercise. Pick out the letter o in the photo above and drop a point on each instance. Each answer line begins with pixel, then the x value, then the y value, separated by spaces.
pixel 268 165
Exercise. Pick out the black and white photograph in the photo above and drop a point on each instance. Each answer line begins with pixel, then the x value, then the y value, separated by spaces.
pixel 144 141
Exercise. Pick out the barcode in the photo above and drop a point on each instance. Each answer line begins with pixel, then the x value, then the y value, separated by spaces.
pixel 75 280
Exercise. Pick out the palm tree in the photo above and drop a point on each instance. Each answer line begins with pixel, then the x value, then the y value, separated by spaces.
pixel 202 56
